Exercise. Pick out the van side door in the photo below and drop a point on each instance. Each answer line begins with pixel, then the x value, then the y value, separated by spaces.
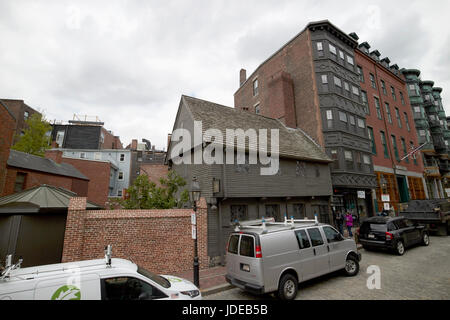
pixel 71 287
pixel 306 255
pixel 336 247
pixel 129 288
pixel 320 251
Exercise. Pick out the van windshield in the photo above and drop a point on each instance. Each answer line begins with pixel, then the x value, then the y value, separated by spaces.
pixel 154 277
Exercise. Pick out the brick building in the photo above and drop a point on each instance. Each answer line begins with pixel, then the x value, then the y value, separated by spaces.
pixel 21 112
pixel 391 127
pixel 7 129
pixel 312 83
pixel 25 171
pixel 432 129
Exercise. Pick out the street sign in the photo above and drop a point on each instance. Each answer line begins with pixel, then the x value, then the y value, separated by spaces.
pixel 385 198
pixel 194 232
pixel 361 194
pixel 193 219
pixel 387 206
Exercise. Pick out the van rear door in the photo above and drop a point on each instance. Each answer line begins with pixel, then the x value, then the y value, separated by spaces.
pixel 244 261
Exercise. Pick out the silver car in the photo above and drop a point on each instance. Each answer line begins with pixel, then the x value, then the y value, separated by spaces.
pixel 267 256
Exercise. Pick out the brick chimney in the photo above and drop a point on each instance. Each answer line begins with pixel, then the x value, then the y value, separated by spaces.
pixel 281 97
pixel 242 76
pixel 55 155
pixel 134 144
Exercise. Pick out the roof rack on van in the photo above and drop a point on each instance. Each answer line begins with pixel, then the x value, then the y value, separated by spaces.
pixel 263 223
pixel 9 267
pixel 108 254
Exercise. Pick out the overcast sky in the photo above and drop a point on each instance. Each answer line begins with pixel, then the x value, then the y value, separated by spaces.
pixel 129 62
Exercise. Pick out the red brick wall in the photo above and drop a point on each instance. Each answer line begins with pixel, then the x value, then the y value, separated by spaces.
pixel 158 240
pixel 35 178
pixel 111 141
pixel 380 73
pixel 18 108
pixel 296 60
pixel 154 172
pixel 7 126
pixel 98 173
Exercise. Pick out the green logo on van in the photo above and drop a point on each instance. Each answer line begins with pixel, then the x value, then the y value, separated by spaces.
pixel 67 292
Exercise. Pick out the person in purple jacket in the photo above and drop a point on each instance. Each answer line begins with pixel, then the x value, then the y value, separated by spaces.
pixel 349 223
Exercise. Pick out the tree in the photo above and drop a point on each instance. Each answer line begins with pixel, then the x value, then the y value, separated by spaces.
pixel 35 139
pixel 145 194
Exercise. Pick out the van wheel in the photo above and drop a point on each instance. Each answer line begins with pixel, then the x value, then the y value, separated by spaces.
pixel 351 266
pixel 288 288
pixel 400 248
pixel 425 239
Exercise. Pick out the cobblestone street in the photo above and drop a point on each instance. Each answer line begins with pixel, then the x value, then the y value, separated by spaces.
pixel 421 273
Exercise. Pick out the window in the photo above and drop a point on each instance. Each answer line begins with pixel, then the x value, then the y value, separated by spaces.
pixel 350 60
pixel 372 140
pixel 60 138
pixel 332 235
pixel 82 155
pixel 302 239
pixel 122 157
pixel 255 87
pixel 366 159
pixel 348 155
pixel 341 54
pixel 352 120
pixel 384 143
pixel 102 137
pixel 399 120
pixel 238 212
pixel 19 184
pixel 383 87
pixel 402 98
pixel 247 246
pixel 319 46
pixel 365 101
pixel 120 175
pixel 25 115
pixel 388 112
pixel 355 90
pixel 404 149
pixel 361 74
pixel 378 107
pixel 332 49
pixel 315 236
pixel 413 155
pixel 273 210
pixel 337 82
pixel 324 79
pixel 346 86
pixel 97 156
pixel 127 288
pixel 330 118
pixel 233 244
pixel 119 193
pixel 394 144
pixel 372 81
pixel 257 110
pixel 394 96
pixel 342 116
pixel 361 123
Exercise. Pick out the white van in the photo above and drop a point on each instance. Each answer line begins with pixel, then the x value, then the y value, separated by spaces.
pixel 115 279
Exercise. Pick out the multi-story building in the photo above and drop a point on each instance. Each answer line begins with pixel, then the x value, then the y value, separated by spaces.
pixel 7 129
pixel 391 128
pixel 312 83
pixel 79 134
pixel 21 112
pixel 432 129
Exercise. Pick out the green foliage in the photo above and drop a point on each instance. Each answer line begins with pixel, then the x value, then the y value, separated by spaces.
pixel 145 194
pixel 34 140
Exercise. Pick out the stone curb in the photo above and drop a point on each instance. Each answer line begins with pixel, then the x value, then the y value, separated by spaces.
pixel 216 289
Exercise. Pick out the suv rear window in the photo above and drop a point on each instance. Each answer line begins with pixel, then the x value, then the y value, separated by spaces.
pixel 247 247
pixel 366 227
pixel 233 244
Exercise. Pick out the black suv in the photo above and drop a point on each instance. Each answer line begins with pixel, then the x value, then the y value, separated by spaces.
pixel 391 233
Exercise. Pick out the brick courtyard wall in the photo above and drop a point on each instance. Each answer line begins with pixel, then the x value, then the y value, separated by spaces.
pixel 158 240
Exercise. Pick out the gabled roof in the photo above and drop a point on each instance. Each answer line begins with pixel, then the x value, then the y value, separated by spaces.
pixel 7 109
pixel 39 198
pixel 28 161
pixel 293 143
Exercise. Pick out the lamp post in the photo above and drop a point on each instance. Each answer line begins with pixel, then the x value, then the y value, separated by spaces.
pixel 194 194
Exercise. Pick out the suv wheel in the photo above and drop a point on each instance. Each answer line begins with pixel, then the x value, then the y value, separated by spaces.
pixel 351 266
pixel 288 287
pixel 400 248
pixel 425 239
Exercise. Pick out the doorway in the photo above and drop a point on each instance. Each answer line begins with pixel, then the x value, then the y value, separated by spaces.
pixel 403 189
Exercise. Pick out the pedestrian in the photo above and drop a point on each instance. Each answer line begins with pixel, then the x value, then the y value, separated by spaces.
pixel 349 223
pixel 340 221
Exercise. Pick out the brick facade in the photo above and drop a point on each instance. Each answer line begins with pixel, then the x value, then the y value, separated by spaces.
pixel 158 240
pixel 19 109
pixel 7 127
pixel 154 171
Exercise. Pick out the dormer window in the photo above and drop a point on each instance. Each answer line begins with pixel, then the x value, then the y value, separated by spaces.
pixel 255 87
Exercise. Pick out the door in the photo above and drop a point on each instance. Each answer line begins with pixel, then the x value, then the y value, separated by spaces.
pixel 306 256
pixel 336 248
pixel 406 231
pixel 403 189
pixel 129 288
pixel 320 251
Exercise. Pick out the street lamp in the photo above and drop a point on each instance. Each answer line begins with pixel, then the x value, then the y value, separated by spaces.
pixel 194 195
